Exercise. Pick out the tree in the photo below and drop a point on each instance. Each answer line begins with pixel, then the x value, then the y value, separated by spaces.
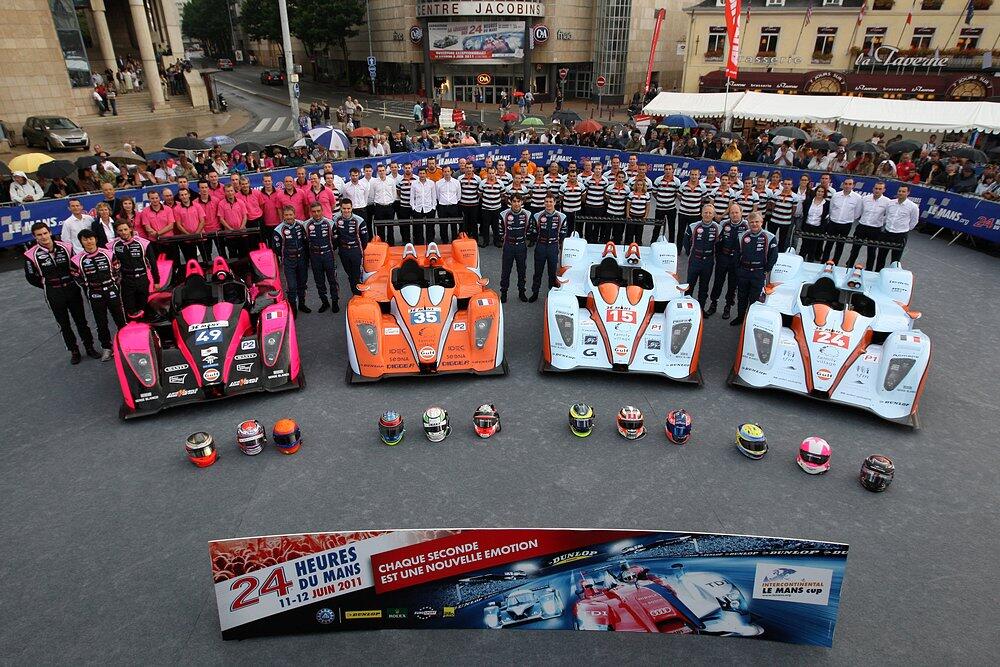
pixel 260 20
pixel 320 23
pixel 208 22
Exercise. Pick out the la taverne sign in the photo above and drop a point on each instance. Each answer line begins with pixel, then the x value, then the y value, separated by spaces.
pixel 476 8
pixel 885 56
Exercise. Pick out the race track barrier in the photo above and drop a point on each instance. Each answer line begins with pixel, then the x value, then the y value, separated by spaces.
pixel 973 216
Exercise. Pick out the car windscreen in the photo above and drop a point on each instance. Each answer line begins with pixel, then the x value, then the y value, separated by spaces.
pixel 58 124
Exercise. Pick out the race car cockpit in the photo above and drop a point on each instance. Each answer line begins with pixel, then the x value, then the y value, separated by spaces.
pixel 825 292
pixel 410 272
pixel 610 271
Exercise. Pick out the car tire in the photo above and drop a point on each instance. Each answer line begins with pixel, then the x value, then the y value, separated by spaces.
pixel 48 146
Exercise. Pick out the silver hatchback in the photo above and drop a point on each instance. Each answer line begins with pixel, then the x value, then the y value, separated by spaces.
pixel 54 133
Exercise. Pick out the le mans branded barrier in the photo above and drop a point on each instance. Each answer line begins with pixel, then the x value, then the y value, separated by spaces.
pixel 967 215
pixel 779 589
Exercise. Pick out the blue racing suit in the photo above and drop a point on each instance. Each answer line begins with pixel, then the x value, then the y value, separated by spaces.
pixel 547 230
pixel 700 239
pixel 725 260
pixel 292 249
pixel 352 237
pixel 755 256
pixel 321 236
pixel 514 231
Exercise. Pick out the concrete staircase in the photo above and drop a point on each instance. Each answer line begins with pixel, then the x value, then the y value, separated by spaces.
pixel 136 106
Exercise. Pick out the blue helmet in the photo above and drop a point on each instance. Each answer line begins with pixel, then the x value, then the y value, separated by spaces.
pixel 390 427
pixel 678 426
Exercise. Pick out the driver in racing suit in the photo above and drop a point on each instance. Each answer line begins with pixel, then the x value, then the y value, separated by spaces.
pixel 352 234
pixel 513 229
pixel 321 237
pixel 756 253
pixel 700 239
pixel 725 260
pixel 291 246
pixel 137 259
pixel 548 229
pixel 96 270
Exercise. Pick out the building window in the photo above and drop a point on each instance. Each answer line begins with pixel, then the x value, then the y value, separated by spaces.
pixel 716 43
pixel 611 52
pixel 823 49
pixel 931 5
pixel 967 42
pixel 832 2
pixel 768 42
pixel 922 38
pixel 71 42
pixel 775 3
pixel 873 39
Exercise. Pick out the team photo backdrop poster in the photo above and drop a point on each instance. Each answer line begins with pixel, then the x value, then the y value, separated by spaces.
pixel 477 42
pixel 780 589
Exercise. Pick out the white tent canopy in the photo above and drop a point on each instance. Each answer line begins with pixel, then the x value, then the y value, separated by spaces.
pixel 911 115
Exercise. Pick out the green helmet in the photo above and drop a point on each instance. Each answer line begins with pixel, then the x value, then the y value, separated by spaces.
pixel 581 420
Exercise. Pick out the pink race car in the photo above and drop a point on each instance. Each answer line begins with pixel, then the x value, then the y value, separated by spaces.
pixel 209 337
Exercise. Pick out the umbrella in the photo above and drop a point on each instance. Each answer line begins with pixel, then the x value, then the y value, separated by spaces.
pixel 248 147
pixel 56 169
pixel 4 170
pixel 271 148
pixel 29 162
pixel 864 147
pixel 821 144
pixel 532 121
pixel 587 126
pixel 508 117
pixel 789 133
pixel 518 93
pixel 304 142
pixel 566 116
pixel 160 155
pixel 87 161
pixel 708 126
pixel 903 146
pixel 125 158
pixel 330 138
pixel 969 153
pixel 679 120
pixel 729 136
pixel 836 137
pixel 993 153
pixel 219 140
pixel 364 132
pixel 186 144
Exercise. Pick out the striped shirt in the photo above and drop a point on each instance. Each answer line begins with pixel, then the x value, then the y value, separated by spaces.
pixel 617 199
pixel 521 190
pixel 470 190
pixel 491 194
pixel 689 200
pixel 666 192
pixel 571 197
pixel 632 180
pixel 403 191
pixel 747 202
pixel 595 192
pixel 506 178
pixel 538 191
pixel 721 199
pixel 783 208
pixel 555 184
pixel 638 204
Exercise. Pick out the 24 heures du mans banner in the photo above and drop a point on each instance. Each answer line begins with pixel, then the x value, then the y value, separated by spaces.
pixel 530 578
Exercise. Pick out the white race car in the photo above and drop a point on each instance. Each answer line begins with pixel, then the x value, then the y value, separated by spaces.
pixel 623 309
pixel 842 335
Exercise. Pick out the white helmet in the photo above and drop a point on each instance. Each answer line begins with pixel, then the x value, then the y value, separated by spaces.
pixel 436 424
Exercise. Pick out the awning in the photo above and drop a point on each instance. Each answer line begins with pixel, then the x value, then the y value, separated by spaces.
pixel 791 108
pixel 698 105
pixel 923 116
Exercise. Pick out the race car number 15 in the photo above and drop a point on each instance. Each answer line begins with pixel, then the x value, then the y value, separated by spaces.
pixel 425 316
pixel 620 315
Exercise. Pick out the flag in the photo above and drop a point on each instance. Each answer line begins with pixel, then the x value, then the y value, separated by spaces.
pixel 988 60
pixel 862 11
pixel 969 11
pixel 809 14
pixel 733 10
pixel 909 15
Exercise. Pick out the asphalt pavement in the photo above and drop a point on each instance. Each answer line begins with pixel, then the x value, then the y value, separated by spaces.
pixel 106 523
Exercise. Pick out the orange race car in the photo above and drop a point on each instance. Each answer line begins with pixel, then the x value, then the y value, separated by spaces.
pixel 424 310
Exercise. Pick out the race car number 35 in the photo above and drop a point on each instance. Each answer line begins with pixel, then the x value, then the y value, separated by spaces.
pixel 425 316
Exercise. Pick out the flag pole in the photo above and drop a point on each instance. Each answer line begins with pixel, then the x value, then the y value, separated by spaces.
pixel 965 12
pixel 805 20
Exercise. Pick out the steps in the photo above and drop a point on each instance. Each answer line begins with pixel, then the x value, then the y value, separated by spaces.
pixel 136 106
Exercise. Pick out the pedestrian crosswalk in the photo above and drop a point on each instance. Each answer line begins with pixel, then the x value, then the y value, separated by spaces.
pixel 275 124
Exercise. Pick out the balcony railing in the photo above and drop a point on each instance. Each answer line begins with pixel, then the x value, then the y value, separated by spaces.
pixel 821 58
pixel 713 56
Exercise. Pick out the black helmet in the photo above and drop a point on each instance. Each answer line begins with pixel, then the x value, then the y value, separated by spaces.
pixel 877 472
pixel 581 420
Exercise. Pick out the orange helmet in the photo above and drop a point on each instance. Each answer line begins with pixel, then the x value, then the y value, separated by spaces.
pixel 287 437
pixel 200 449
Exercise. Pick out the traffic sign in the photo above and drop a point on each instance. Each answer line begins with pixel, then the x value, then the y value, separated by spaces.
pixel 563 73
pixel 484 79
pixel 371 62
pixel 295 90
pixel 541 33
pixel 371 72
pixel 601 81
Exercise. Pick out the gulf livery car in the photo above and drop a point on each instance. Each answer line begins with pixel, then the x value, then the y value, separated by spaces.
pixel 841 335
pixel 523 606
pixel 623 309
pixel 424 310
pixel 209 337
pixel 633 599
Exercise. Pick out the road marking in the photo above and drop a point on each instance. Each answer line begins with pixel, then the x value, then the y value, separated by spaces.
pixel 278 124
pixel 261 125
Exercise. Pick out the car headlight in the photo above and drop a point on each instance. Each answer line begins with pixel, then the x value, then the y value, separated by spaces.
pixel 482 332
pixel 549 606
pixel 142 366
pixel 369 336
pixel 763 342
pixel 678 336
pixel 55 139
pixel 898 368
pixel 565 325
pixel 272 345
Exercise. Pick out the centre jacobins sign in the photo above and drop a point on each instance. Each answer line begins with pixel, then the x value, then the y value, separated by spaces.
pixel 476 8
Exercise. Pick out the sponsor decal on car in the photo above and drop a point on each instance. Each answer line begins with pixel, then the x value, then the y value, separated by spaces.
pixel 652 358
pixel 655 327
pixel 427 352
pixel 208 325
pixel 244 368
pixel 363 613
pixel 484 302
pixel 182 392
pixel 273 315
pixel 391 331
pixel 177 379
pixel 244 357
pixel 824 374
pixel 211 375
pixel 589 352
pixel 242 382
pixel 590 340
pixel 425 315
pixel 620 314
pixel 248 344
pixel 621 350
pixel 829 337
pixel 792 583
pixel 653 344
pixel 459 326
pixel 174 369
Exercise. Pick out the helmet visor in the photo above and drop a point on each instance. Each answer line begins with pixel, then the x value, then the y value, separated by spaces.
pixel 755 446
pixel 630 424
pixel 486 422
pixel 872 479
pixel 581 424
pixel 815 459
pixel 679 431
pixel 391 433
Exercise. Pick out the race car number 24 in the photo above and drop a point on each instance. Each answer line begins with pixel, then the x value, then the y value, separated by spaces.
pixel 625 316
pixel 835 338
pixel 425 316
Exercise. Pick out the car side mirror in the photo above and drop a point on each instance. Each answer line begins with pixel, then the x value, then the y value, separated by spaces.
pixel 483 282
pixel 683 287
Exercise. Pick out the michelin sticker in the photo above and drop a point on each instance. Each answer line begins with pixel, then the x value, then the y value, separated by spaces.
pixel 792 583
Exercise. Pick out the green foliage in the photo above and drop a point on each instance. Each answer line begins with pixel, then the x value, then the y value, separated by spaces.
pixel 208 21
pixel 321 23
pixel 260 20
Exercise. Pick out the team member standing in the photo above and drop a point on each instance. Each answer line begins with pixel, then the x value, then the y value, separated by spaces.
pixel 76 223
pixel 321 241
pixel 449 193
pixel 96 271
pixel 537 188
pixel 781 207
pixel 690 198
pixel 571 201
pixel 292 196
pixel 490 194
pixel 721 197
pixel 352 237
pixel 137 266
pixel 733 225
pixel 594 203
pixel 157 221
pixel 901 216
pixel 756 253
pixel 318 193
pixel 233 218
pixel 616 195
pixel 189 218
pixel 870 225
pixel 815 216
pixel 748 200
pixel 845 209
pixel 254 202
pixel 383 191
pixel 639 203
pixel 666 188
pixel 47 266
pixel 270 208
pixel 469 202
pixel 700 239
pixel 516 185
pixel 291 246
pixel 208 204
pixel 357 191
pixel 514 230
pixel 423 200
pixel 548 228
pixel 405 213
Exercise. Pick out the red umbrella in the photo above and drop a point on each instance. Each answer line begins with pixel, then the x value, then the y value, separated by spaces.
pixel 588 126
pixel 508 117
pixel 365 132
pixel 518 93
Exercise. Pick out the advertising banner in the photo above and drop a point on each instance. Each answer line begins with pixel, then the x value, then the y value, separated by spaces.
pixel 733 35
pixel 968 215
pixel 779 589
pixel 477 42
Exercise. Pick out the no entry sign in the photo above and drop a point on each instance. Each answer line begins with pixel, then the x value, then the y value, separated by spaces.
pixel 601 81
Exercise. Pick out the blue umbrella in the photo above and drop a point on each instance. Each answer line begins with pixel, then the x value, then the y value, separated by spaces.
pixel 679 120
pixel 219 139
pixel 330 138
pixel 160 155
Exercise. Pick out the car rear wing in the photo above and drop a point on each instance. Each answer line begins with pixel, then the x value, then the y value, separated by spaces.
pixel 850 240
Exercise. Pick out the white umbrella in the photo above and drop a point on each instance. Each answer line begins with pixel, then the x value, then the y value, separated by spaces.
pixel 330 138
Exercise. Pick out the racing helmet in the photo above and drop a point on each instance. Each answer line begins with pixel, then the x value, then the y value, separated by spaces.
pixel 251 437
pixel 581 420
pixel 877 472
pixel 390 428
pixel 750 440
pixel 436 424
pixel 814 455
pixel 200 449
pixel 287 436
pixel 486 420
pixel 678 426
pixel 631 424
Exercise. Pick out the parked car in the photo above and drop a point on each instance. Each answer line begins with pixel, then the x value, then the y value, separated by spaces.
pixel 54 133
pixel 272 77
pixel 225 64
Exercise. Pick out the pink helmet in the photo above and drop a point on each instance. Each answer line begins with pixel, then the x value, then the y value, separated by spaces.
pixel 814 455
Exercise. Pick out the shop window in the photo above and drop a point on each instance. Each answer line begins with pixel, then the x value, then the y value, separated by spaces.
pixel 922 38
pixel 716 44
